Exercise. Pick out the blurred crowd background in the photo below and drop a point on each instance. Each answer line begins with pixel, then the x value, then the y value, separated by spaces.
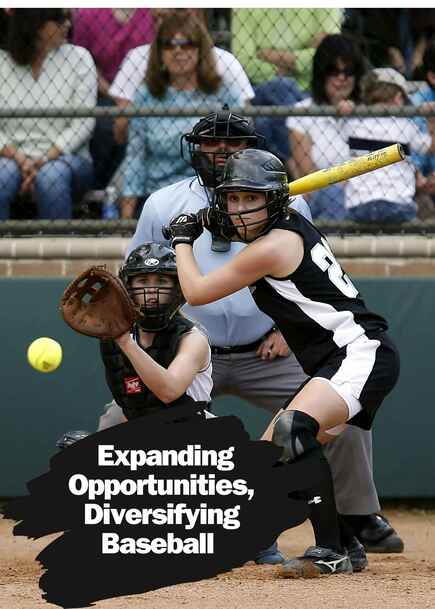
pixel 172 59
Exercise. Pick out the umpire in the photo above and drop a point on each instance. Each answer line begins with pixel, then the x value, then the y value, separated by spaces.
pixel 250 357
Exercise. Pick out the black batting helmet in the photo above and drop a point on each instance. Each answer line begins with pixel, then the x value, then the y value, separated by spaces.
pixel 223 125
pixel 157 259
pixel 250 170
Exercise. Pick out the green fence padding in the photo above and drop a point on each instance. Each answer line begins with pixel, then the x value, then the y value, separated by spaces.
pixel 37 408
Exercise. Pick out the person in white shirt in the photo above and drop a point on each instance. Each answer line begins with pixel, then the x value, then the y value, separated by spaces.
pixel 46 157
pixel 317 141
pixel 133 69
pixel 181 74
pixel 134 66
pixel 386 195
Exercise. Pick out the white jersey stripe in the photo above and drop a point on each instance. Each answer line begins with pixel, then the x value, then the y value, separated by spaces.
pixel 358 364
pixel 341 323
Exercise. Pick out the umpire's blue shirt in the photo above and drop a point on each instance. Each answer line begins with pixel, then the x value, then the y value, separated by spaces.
pixel 230 321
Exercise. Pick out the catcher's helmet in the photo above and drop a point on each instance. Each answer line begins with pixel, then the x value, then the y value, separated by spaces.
pixel 157 259
pixel 223 125
pixel 250 170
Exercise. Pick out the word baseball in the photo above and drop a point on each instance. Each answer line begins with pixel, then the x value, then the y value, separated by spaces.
pixel 113 544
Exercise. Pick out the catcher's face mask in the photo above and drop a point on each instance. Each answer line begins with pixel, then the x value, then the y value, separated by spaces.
pixel 156 295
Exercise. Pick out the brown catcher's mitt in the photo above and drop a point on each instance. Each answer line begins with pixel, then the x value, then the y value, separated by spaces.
pixel 97 304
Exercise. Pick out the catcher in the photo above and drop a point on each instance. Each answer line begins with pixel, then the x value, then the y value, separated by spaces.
pixel 154 357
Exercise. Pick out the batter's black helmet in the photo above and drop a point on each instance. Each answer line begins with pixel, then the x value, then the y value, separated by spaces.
pixel 157 259
pixel 223 125
pixel 250 170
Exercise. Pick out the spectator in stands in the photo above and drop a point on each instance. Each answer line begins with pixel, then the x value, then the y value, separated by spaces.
pixel 422 25
pixel 391 37
pixel 47 157
pixel 292 67
pixel 317 142
pixel 161 13
pixel 280 91
pixel 273 42
pixel 109 34
pixel 181 72
pixel 386 195
pixel 426 162
pixel 134 68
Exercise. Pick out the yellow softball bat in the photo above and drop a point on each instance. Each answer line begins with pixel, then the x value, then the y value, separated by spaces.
pixel 350 169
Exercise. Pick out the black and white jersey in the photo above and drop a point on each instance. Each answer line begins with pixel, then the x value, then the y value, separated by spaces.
pixel 317 308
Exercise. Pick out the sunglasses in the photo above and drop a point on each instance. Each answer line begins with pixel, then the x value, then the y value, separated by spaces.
pixel 347 72
pixel 184 43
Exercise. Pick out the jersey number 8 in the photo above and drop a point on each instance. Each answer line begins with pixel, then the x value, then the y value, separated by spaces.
pixel 323 257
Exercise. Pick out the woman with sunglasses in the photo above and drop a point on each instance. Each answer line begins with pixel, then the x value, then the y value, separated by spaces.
pixel 46 157
pixel 316 141
pixel 181 73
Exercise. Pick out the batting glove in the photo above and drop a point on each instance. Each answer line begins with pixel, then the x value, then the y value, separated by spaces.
pixel 209 220
pixel 185 228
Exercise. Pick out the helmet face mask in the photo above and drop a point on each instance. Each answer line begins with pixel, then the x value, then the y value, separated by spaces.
pixel 251 171
pixel 153 299
pixel 246 223
pixel 225 133
pixel 150 276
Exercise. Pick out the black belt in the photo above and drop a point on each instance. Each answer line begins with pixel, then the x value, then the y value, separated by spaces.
pixel 237 348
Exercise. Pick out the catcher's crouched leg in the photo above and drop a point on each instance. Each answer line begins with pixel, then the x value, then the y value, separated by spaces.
pixel 112 416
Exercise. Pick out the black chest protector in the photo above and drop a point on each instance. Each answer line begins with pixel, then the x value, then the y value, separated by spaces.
pixel 126 386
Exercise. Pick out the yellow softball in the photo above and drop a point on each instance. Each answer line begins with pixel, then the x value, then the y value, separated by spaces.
pixel 44 354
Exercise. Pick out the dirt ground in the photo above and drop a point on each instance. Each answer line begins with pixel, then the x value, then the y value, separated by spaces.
pixel 397 581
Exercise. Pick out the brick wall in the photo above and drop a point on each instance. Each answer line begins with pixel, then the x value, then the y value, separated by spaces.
pixel 361 256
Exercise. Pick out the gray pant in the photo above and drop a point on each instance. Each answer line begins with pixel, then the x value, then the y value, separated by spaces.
pixel 269 385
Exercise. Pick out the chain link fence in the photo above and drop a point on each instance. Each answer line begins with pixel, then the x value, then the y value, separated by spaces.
pixel 93 104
